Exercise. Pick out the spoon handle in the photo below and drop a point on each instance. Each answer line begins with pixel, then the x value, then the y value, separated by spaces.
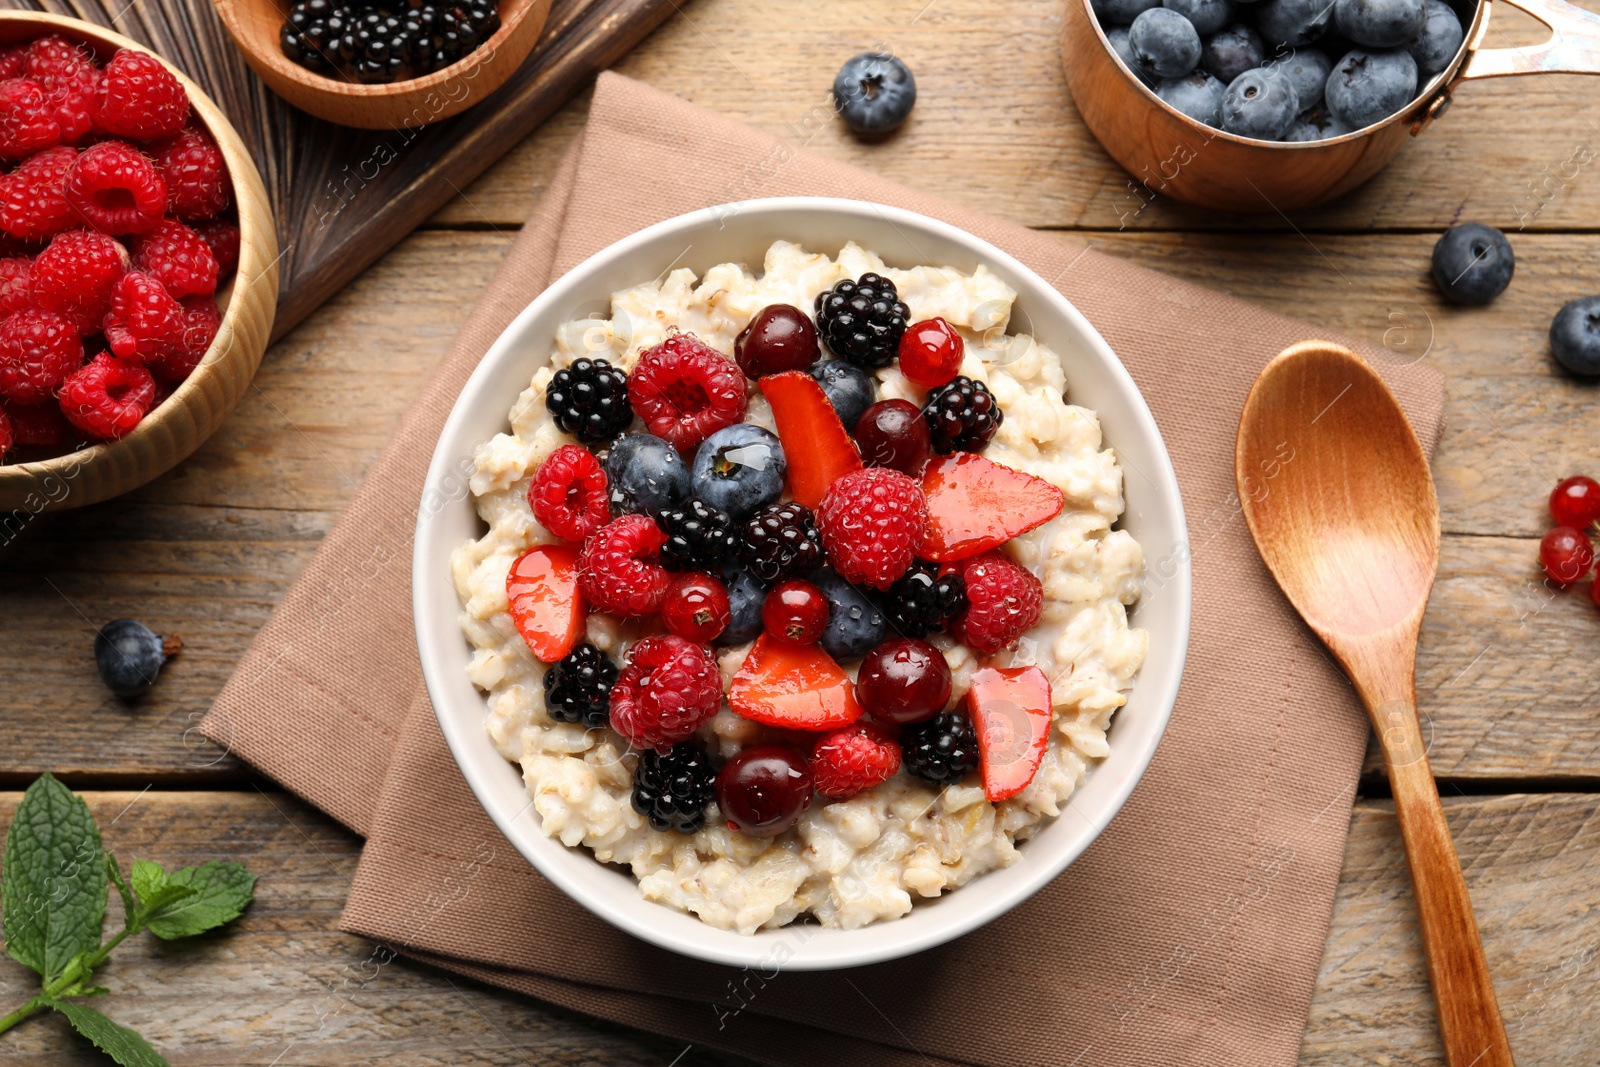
pixel 1469 1014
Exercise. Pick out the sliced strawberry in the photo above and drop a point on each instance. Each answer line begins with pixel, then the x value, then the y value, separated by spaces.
pixel 796 687
pixel 546 605
pixel 815 443
pixel 1011 709
pixel 975 504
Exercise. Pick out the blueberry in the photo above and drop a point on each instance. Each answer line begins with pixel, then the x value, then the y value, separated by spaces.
pixel 1229 53
pixel 1259 105
pixel 1165 43
pixel 1315 124
pixel 1207 16
pixel 855 625
pixel 1198 95
pixel 1122 12
pixel 873 93
pixel 739 469
pixel 646 474
pixel 745 597
pixel 1366 87
pixel 850 389
pixel 129 656
pixel 1307 70
pixel 1380 23
pixel 1575 336
pixel 1293 22
pixel 1435 44
pixel 1118 36
pixel 1472 263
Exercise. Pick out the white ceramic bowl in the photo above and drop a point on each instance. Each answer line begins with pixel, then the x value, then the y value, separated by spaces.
pixel 741 233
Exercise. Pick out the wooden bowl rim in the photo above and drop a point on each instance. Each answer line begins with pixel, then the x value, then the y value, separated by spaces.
pixel 283 67
pixel 263 230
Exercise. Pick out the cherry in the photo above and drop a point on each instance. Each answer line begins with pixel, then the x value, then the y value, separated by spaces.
pixel 1566 554
pixel 931 352
pixel 893 433
pixel 795 611
pixel 764 790
pixel 696 607
pixel 903 680
pixel 779 338
pixel 1575 502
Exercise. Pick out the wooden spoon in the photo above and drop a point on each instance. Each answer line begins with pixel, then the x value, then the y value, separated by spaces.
pixel 1337 494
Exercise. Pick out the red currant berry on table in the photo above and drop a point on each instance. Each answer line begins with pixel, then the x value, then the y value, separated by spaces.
pixel 795 611
pixel 696 607
pixel 779 338
pixel 764 790
pixel 893 433
pixel 1575 502
pixel 931 352
pixel 903 680
pixel 1566 554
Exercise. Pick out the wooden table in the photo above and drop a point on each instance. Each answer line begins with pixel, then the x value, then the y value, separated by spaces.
pixel 1507 674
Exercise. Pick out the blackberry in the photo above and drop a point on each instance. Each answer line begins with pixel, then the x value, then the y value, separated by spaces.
pixel 780 540
pixel 699 537
pixel 921 601
pixel 577 688
pixel 962 415
pixel 862 320
pixel 941 750
pixel 589 400
pixel 672 791
pixel 385 40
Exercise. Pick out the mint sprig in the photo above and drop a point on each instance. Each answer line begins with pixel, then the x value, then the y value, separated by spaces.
pixel 53 890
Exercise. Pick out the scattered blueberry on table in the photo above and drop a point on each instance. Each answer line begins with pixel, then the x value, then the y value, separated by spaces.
pixel 129 656
pixel 1472 263
pixel 874 92
pixel 381 42
pixel 1575 336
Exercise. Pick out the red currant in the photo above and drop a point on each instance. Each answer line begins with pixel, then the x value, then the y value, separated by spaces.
pixel 779 338
pixel 903 680
pixel 764 790
pixel 893 433
pixel 696 607
pixel 1575 502
pixel 1566 554
pixel 795 611
pixel 931 352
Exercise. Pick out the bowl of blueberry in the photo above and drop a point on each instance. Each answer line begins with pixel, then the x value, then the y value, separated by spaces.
pixel 384 64
pixel 1273 105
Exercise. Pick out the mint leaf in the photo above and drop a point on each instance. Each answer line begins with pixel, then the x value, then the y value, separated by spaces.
pixel 54 888
pixel 115 1040
pixel 147 877
pixel 221 891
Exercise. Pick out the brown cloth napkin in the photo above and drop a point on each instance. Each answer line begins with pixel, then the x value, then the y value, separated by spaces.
pixel 1189 933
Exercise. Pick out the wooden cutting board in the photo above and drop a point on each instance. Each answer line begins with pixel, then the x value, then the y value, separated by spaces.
pixel 342 196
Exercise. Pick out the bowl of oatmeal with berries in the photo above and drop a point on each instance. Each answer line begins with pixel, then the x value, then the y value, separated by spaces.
pixel 769 597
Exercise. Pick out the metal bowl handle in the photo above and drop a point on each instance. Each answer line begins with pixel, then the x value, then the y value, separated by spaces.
pixel 1573 47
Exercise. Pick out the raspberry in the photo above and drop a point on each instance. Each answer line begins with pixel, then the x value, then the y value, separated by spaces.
pixel 37 350
pixel 14 285
pixel 569 494
pixel 669 687
pixel 33 198
pixel 685 391
pixel 107 397
pixel 178 258
pixel 872 523
pixel 6 439
pixel 197 177
pixel 75 274
pixel 27 121
pixel 853 759
pixel 116 188
pixel 201 320
pixel 1003 602
pixel 618 569
pixel 145 323
pixel 13 63
pixel 38 424
pixel 69 77
pixel 222 237
pixel 139 97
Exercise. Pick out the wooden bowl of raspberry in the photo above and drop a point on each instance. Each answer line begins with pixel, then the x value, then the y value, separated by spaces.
pixel 138 264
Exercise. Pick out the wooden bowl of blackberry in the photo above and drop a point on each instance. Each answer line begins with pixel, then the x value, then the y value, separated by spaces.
pixel 384 64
